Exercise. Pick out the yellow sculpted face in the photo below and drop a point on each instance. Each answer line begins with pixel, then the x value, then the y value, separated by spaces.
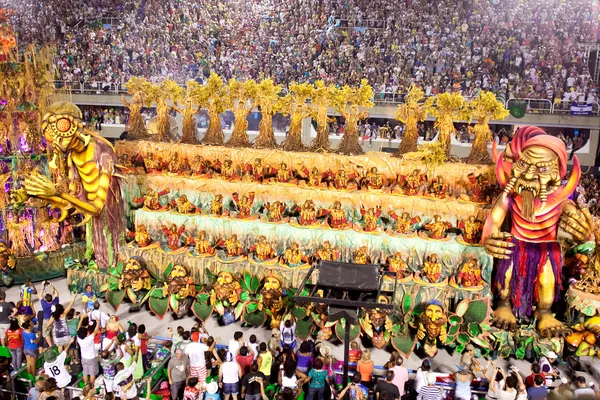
pixel 178 271
pixel 224 278
pixel 272 282
pixel 536 171
pixel 3 247
pixel 434 312
pixel 133 265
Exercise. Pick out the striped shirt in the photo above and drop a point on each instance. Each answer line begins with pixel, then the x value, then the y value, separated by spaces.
pixel 430 392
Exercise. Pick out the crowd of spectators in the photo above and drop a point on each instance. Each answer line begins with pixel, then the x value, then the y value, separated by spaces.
pixel 512 47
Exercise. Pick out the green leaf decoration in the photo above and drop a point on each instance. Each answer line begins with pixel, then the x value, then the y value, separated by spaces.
pixel 299 312
pixel 203 297
pixel 450 339
pixel 239 309
pixel 131 294
pixel 396 328
pixel 103 288
pixel 304 328
pixel 257 318
pixel 589 311
pixel 481 342
pixel 340 331
pixel 505 352
pixel 115 298
pixel 485 327
pixel 251 307
pixel 477 311
pixel 157 293
pixel 212 278
pixel 404 344
pixel 453 330
pixel 159 306
pixel 168 270
pixel 460 348
pixel 120 268
pixel 146 296
pixel 529 341
pixel 406 304
pixel 474 329
pixel 462 308
pixel 254 284
pixel 244 296
pixel 246 282
pixel 485 352
pixel 174 302
pixel 113 285
pixel 202 311
pixel 520 353
pixel 455 320
pixel 220 308
pixel 463 338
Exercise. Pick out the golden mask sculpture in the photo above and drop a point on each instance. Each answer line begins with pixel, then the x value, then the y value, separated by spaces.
pixel 226 289
pixel 432 327
pixel 88 165
pixel 530 172
pixel 135 275
pixel 270 297
pixel 180 283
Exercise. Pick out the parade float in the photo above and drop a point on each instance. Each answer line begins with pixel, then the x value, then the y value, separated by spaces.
pixel 35 240
pixel 229 231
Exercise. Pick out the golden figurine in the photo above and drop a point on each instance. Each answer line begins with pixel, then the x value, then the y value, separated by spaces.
pixel 233 247
pixel 373 180
pixel 413 182
pixel 227 170
pixel 263 249
pixel 153 163
pixel 8 263
pixel 226 290
pixel 341 180
pixel 362 256
pixel 179 283
pixel 202 245
pixel 437 227
pixel 151 200
pixel 141 236
pixel 375 323
pixel 326 253
pixel 308 213
pixel 244 205
pixel 92 171
pixel 275 211
pixel 216 206
pixel 135 275
pixel 470 274
pixel 293 255
pixel 370 218
pixel 313 177
pixel 271 297
pixel 432 327
pixel 438 188
pixel 199 166
pixel 175 165
pixel 21 235
pixel 173 235
pixel 404 223
pixel 183 206
pixel 283 174
pixel 397 264
pixel 48 231
pixel 337 216
pixel 257 170
pixel 432 268
pixel 126 165
pixel 480 188
pixel 471 229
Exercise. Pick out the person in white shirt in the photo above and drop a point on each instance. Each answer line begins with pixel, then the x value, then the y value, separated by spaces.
pixel 236 343
pixel 54 366
pixel 124 384
pixel 89 353
pixel 229 377
pixel 583 391
pixel 288 332
pixel 196 354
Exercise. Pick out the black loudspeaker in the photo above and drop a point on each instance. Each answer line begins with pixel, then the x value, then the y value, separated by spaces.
pixel 348 276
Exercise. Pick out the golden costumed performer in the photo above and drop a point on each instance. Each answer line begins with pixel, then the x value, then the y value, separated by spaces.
pixel 529 272
pixel 92 176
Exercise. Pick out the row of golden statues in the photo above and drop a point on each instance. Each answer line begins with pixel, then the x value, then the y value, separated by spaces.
pixel 307 214
pixel 477 187
pixel 299 101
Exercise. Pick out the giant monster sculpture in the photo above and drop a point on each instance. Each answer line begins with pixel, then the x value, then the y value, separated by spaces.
pixel 87 182
pixel 529 271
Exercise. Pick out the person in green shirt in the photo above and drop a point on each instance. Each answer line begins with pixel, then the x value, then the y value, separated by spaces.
pixel 317 378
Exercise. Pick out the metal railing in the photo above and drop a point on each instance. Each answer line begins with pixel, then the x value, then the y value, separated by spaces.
pixel 360 23
pixel 533 106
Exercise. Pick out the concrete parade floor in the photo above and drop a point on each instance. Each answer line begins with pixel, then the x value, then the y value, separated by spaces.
pixel 443 362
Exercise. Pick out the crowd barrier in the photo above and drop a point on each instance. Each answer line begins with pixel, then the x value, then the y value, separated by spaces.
pixel 533 106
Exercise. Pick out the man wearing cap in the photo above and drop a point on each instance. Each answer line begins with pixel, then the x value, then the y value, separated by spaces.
pixel 546 364
pixel 178 371
pixel 54 365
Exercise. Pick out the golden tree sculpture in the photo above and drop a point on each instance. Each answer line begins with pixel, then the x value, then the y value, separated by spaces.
pixel 484 108
pixel 138 88
pixel 243 95
pixel 161 94
pixel 410 113
pixel 449 107
pixel 351 102
pixel 319 104
pixel 189 110
pixel 294 104
pixel 269 103
pixel 214 95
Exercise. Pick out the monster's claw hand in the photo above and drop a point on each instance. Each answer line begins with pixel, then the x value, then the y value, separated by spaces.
pixel 39 186
pixel 19 195
pixel 577 223
pixel 499 245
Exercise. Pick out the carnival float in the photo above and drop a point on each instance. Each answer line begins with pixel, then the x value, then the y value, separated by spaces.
pixel 228 229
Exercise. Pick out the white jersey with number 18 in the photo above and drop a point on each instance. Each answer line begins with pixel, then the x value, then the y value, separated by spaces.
pixel 58 371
